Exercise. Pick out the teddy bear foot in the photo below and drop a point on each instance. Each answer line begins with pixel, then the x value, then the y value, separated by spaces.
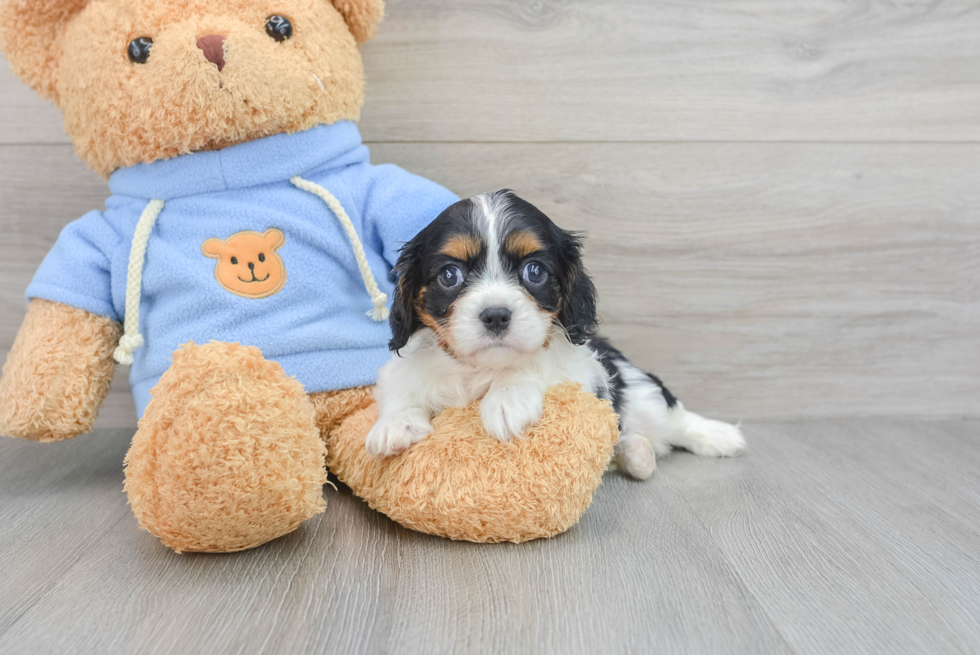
pixel 228 455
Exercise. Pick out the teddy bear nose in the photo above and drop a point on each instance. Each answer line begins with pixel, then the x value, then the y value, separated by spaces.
pixel 213 47
pixel 251 266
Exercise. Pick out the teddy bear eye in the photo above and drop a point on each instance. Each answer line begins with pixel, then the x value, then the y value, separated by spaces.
pixel 261 256
pixel 279 28
pixel 139 49
pixel 234 261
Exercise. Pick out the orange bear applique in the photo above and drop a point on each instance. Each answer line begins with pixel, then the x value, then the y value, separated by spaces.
pixel 248 264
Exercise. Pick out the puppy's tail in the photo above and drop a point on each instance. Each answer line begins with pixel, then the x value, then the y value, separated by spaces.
pixel 704 436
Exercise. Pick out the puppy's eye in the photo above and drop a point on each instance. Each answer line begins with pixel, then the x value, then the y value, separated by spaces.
pixel 534 274
pixel 261 256
pixel 234 261
pixel 139 49
pixel 279 28
pixel 450 277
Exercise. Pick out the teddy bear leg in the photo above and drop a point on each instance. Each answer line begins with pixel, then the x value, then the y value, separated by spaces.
pixel 227 455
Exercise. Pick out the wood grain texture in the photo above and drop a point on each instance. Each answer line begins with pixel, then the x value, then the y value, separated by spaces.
pixel 627 70
pixel 878 516
pixel 840 535
pixel 756 279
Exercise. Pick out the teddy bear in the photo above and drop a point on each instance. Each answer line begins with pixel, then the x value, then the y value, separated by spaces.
pixel 242 268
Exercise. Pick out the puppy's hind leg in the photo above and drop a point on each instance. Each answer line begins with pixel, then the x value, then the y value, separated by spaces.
pixel 704 436
pixel 644 429
pixel 635 456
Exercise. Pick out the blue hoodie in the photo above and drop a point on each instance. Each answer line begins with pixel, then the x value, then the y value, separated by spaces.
pixel 311 317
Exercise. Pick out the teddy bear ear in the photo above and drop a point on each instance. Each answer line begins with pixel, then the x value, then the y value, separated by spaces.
pixel 362 16
pixel 31 32
pixel 214 248
pixel 273 238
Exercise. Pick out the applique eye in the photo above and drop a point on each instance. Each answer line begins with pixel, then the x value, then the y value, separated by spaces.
pixel 139 49
pixel 234 261
pixel 279 28
pixel 450 277
pixel 261 256
pixel 534 274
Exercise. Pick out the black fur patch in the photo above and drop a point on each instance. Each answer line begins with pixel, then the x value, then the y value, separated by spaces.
pixel 419 266
pixel 608 356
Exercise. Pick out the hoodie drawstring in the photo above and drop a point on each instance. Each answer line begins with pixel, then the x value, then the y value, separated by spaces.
pixel 378 297
pixel 131 338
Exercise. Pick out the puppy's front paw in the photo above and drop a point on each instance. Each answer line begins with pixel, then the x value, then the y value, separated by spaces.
pixel 508 412
pixel 394 435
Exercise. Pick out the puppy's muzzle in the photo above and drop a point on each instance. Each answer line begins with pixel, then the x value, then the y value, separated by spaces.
pixel 496 320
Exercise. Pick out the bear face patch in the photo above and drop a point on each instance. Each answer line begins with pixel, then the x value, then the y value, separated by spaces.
pixel 248 264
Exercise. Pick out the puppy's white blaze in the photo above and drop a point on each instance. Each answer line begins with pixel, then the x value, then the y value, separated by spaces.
pixel 485 213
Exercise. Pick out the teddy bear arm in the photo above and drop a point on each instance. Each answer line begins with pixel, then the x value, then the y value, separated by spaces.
pixel 57 373
pixel 460 483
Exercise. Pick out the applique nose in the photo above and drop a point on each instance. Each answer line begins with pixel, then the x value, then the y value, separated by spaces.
pixel 496 319
pixel 213 47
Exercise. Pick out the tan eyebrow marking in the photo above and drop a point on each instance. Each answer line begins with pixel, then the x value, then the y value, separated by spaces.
pixel 463 247
pixel 523 243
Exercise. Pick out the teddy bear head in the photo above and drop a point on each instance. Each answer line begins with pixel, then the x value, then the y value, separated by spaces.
pixel 143 80
pixel 248 264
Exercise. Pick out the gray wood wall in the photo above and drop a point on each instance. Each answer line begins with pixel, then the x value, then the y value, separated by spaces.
pixel 783 197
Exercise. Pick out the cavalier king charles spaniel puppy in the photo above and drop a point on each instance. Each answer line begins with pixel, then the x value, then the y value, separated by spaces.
pixel 493 304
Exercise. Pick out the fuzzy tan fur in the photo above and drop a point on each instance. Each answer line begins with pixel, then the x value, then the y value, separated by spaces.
pixel 227 455
pixel 333 407
pixel 57 373
pixel 460 483
pixel 119 113
pixel 362 16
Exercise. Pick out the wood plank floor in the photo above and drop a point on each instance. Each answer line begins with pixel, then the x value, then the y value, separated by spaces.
pixel 831 535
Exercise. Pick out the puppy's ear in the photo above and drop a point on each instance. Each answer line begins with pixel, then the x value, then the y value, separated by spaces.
pixel 404 318
pixel 578 295
pixel 31 32
pixel 362 16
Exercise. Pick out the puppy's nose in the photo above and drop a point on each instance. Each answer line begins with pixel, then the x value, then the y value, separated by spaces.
pixel 213 47
pixel 496 319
